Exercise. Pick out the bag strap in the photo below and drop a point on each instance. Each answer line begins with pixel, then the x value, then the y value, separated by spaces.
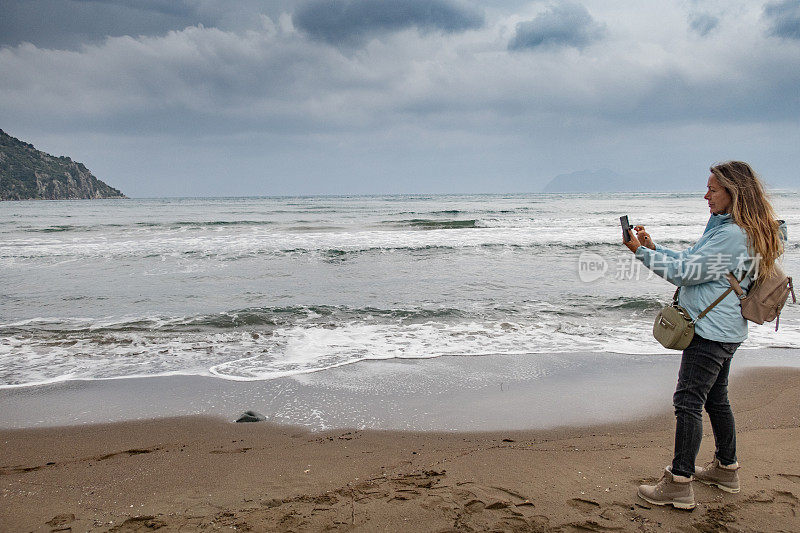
pixel 715 302
pixel 718 300
pixel 675 296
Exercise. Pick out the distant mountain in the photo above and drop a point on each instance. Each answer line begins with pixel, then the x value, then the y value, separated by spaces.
pixel 28 174
pixel 600 180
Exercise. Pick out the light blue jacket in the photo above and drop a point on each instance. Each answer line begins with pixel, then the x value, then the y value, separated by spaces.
pixel 700 272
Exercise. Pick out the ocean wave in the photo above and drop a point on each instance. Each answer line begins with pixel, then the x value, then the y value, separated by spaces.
pixel 231 249
pixel 426 223
pixel 231 240
pixel 627 303
pixel 60 228
pixel 312 228
pixel 53 229
pixel 252 354
pixel 173 225
pixel 238 318
pixel 204 223
pixel 271 342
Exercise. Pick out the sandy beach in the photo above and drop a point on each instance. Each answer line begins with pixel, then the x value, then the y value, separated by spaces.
pixel 203 473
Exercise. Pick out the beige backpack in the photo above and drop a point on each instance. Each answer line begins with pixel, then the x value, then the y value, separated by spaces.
pixel 765 299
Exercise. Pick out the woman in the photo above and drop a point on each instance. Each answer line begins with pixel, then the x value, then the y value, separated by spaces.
pixel 743 237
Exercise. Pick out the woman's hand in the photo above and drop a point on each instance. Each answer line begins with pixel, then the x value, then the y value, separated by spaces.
pixel 633 243
pixel 644 237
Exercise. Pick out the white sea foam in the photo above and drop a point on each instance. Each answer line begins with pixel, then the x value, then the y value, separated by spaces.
pixel 256 241
pixel 248 355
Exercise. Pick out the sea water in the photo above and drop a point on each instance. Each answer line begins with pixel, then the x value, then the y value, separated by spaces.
pixel 259 288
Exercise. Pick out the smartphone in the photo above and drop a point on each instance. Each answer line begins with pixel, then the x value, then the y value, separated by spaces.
pixel 623 221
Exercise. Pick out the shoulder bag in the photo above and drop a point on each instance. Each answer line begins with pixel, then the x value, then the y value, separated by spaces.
pixel 674 327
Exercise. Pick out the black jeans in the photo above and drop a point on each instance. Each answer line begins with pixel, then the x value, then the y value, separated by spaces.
pixel 703 382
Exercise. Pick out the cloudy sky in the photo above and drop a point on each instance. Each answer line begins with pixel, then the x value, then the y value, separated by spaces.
pixel 262 97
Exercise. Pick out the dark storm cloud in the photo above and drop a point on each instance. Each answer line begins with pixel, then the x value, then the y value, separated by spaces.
pixel 352 21
pixel 167 7
pixel 703 23
pixel 68 24
pixel 194 80
pixel 561 25
pixel 783 18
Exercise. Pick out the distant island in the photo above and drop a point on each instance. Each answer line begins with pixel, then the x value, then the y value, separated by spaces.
pixel 679 179
pixel 29 174
pixel 601 180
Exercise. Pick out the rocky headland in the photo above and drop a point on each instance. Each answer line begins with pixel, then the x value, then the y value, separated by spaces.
pixel 30 174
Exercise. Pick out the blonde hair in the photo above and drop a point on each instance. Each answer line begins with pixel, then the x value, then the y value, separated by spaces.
pixel 752 211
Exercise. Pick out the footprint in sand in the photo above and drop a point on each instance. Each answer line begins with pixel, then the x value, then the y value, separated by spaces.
pixel 584 505
pixel 129 453
pixel 139 523
pixel 61 522
pixel 237 450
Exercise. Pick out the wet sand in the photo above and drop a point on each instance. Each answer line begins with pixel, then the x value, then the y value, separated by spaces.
pixel 479 393
pixel 203 473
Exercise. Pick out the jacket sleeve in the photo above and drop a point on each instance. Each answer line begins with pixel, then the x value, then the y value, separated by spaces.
pixel 671 253
pixel 720 254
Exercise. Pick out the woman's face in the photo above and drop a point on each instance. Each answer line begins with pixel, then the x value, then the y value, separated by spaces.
pixel 719 201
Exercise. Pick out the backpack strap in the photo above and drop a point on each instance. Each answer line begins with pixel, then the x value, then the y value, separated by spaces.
pixel 735 284
pixel 794 301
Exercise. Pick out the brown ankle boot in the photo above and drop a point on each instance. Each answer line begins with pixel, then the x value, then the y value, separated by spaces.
pixel 670 490
pixel 723 477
